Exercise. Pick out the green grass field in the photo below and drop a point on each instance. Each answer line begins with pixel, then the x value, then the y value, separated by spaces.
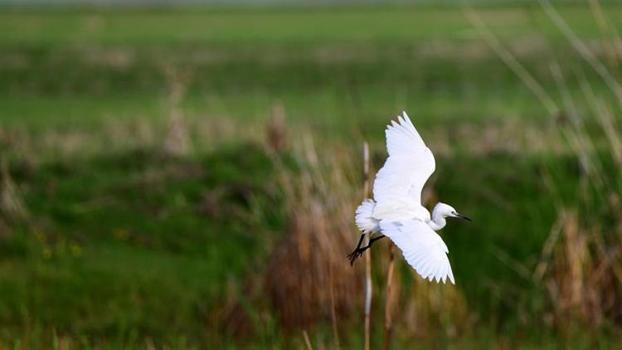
pixel 114 243
pixel 322 64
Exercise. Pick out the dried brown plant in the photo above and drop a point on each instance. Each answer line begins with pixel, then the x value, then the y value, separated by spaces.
pixel 308 278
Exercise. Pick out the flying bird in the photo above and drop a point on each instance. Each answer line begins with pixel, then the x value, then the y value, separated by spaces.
pixel 396 210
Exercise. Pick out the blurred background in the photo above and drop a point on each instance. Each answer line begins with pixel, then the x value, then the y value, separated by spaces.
pixel 183 174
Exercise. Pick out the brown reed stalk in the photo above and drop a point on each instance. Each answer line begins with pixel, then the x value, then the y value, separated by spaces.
pixel 305 336
pixel 177 141
pixel 276 129
pixel 11 205
pixel 333 311
pixel 368 285
pixel 389 300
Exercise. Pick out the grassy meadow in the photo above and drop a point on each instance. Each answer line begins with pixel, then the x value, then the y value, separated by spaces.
pixel 186 177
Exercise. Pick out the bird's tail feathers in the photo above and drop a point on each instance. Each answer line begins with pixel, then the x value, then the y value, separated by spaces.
pixel 364 217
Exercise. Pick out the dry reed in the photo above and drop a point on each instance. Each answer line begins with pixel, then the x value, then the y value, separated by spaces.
pixel 276 131
pixel 308 279
pixel 368 282
pixel 582 275
pixel 12 207
pixel 177 141
pixel 390 299
pixel 580 266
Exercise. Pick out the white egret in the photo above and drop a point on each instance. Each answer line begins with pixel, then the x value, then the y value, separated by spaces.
pixel 396 210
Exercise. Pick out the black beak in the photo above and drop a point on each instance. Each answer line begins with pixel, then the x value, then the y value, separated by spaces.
pixel 464 217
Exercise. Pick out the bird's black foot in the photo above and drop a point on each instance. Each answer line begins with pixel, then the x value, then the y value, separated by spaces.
pixel 358 251
pixel 355 255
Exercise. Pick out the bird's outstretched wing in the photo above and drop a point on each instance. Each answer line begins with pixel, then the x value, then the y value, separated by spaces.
pixel 422 248
pixel 408 167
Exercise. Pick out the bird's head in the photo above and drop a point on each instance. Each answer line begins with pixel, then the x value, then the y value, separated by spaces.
pixel 447 211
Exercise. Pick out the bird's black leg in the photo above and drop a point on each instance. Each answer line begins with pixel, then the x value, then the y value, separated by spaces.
pixel 359 250
pixel 373 240
pixel 352 256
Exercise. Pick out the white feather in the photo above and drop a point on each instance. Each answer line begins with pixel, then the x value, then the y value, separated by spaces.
pixel 405 172
pixel 398 208
pixel 364 217
pixel 422 248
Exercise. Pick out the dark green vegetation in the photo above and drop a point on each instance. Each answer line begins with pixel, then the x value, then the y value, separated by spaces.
pixel 120 243
pixel 122 246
